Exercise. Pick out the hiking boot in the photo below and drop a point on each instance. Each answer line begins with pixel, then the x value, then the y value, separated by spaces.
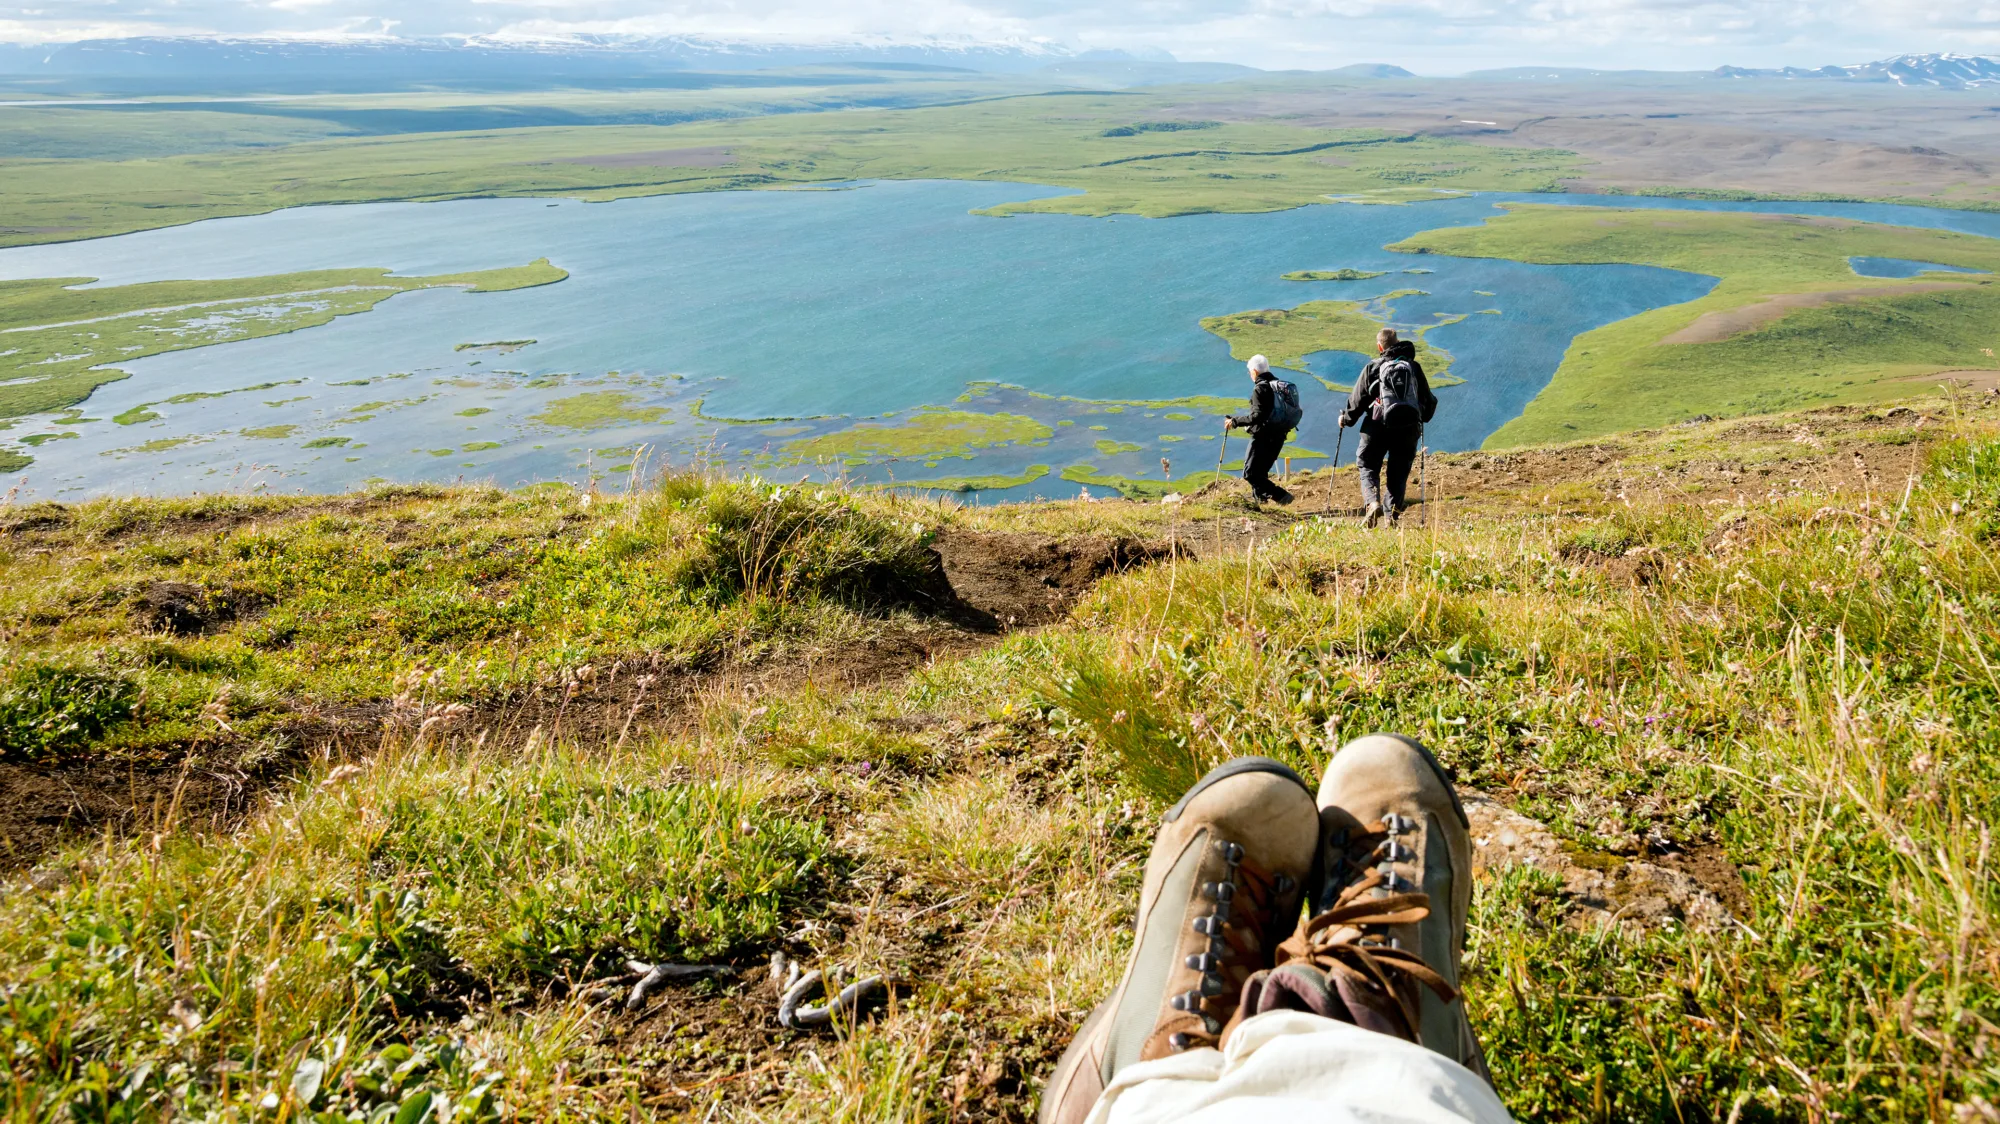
pixel 1222 888
pixel 1371 515
pixel 1399 879
pixel 1383 948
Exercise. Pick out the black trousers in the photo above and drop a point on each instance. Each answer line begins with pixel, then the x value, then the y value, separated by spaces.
pixel 1264 447
pixel 1396 451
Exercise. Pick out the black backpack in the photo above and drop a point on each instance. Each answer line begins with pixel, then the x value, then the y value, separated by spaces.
pixel 1285 409
pixel 1396 394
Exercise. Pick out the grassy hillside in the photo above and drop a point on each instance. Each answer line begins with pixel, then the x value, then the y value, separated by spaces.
pixel 1822 334
pixel 1752 659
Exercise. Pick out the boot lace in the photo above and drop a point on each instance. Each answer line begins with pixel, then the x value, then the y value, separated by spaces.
pixel 1244 900
pixel 1348 939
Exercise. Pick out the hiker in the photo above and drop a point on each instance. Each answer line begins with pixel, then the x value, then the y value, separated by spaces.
pixel 1354 1016
pixel 1392 400
pixel 1274 413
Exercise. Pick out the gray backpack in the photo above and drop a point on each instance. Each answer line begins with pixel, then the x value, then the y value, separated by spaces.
pixel 1396 394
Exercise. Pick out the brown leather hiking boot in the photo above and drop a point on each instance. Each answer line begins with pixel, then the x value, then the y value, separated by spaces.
pixel 1222 888
pixel 1383 948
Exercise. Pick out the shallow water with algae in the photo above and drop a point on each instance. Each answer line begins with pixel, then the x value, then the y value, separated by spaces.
pixel 882 332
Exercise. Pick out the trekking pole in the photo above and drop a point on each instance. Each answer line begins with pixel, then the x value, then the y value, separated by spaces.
pixel 1222 453
pixel 1423 475
pixel 1333 474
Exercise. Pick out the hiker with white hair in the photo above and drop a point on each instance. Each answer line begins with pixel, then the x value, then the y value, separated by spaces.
pixel 1274 413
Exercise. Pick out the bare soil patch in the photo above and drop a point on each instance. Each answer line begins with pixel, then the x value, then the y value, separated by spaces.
pixel 1714 327
pixel 1011 580
pixel 42 805
pixel 708 156
pixel 1988 381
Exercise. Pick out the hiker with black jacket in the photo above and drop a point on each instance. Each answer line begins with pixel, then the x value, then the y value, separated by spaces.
pixel 1392 400
pixel 1274 413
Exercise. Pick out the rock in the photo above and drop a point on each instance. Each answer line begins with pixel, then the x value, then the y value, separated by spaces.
pixel 1634 895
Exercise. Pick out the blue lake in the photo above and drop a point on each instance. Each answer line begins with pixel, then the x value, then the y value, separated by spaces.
pixel 1902 267
pixel 827 305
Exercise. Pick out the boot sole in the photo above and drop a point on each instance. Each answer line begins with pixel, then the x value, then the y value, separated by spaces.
pixel 1243 765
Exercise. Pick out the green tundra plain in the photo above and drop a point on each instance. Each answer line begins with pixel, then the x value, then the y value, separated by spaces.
pixel 1066 140
pixel 1788 324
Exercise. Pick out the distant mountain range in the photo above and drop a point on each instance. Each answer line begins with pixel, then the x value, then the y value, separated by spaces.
pixel 477 57
pixel 1951 72
pixel 273 63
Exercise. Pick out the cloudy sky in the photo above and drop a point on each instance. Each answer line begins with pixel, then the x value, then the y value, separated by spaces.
pixel 1428 36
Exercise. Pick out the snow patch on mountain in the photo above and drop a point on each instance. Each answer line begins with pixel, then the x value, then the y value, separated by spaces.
pixel 1943 71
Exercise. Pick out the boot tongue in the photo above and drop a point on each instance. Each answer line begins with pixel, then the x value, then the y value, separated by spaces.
pixel 1303 986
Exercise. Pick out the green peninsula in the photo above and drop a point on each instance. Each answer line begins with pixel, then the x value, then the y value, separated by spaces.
pixel 1789 324
pixel 59 343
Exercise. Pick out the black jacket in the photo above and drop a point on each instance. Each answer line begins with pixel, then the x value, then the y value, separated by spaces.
pixel 1363 395
pixel 1263 399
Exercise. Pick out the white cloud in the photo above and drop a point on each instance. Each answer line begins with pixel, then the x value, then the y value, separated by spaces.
pixel 1429 36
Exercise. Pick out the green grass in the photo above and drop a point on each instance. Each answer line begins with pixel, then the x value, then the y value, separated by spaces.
pixel 1672 647
pixel 315 601
pixel 1623 376
pixel 63 342
pixel 305 945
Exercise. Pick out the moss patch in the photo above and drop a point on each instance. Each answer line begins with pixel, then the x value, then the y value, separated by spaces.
pixel 928 433
pixel 1330 275
pixel 988 483
pixel 596 410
